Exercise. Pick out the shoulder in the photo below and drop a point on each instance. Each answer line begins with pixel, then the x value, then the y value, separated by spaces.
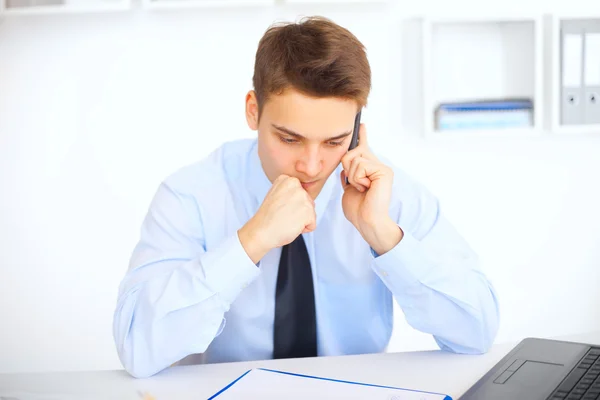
pixel 212 172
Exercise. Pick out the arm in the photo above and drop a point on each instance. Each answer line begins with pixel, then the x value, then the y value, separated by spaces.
pixel 172 301
pixel 435 276
pixel 429 268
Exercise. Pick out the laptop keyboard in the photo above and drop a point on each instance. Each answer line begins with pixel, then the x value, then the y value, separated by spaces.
pixel 583 382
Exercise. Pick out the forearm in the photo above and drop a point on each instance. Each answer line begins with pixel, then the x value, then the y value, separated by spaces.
pixel 170 309
pixel 382 235
pixel 442 293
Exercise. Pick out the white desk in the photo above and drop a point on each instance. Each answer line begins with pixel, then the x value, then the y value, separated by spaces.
pixel 434 371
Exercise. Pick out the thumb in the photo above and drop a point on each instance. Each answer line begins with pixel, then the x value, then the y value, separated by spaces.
pixel 343 179
pixel 345 186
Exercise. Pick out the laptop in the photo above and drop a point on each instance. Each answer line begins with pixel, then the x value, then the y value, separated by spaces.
pixel 542 369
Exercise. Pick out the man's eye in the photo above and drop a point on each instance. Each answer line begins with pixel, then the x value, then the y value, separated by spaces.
pixel 336 143
pixel 287 140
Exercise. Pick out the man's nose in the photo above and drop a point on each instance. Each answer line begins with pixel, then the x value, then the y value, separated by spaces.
pixel 311 163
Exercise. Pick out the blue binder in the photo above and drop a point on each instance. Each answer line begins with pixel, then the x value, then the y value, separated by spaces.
pixel 485 114
pixel 220 392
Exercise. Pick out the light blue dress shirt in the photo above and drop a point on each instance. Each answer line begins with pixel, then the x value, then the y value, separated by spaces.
pixel 191 289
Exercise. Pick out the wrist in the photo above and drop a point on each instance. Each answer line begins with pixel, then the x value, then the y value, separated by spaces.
pixel 383 235
pixel 251 240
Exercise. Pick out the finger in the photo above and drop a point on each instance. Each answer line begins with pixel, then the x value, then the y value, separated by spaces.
pixel 277 182
pixel 311 224
pixel 369 171
pixel 309 198
pixel 359 151
pixel 364 172
pixel 308 229
pixel 347 159
pixel 351 174
pixel 299 196
pixel 343 179
pixel 292 182
pixel 307 195
pixel 360 182
pixel 280 178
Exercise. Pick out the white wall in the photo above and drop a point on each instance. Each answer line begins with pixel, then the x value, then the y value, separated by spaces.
pixel 96 109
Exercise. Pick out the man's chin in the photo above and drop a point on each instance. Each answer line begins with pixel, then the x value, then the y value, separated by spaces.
pixel 314 193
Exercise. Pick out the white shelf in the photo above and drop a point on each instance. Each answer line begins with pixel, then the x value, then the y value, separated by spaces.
pixel 472 134
pixel 333 1
pixel 469 18
pixel 36 7
pixel 577 129
pixel 554 72
pixel 482 57
pixel 189 4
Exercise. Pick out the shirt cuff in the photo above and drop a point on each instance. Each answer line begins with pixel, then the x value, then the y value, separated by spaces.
pixel 405 265
pixel 228 269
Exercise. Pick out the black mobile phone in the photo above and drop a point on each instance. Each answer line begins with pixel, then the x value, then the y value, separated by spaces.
pixel 354 140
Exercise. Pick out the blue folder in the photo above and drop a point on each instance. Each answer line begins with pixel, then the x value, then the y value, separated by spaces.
pixel 485 114
pixel 321 378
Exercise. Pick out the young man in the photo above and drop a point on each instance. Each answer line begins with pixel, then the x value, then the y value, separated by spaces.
pixel 262 250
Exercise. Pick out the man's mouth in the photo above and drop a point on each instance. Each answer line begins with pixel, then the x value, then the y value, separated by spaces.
pixel 307 185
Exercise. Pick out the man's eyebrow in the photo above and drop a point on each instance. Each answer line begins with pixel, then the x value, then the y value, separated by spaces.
pixel 299 136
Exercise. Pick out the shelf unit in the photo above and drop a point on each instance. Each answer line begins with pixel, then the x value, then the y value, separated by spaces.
pixel 478 57
pixel 555 22
pixel 333 1
pixel 458 57
pixel 190 4
pixel 39 7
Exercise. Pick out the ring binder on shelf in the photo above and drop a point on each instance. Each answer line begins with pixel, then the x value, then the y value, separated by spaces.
pixel 572 104
pixel 592 73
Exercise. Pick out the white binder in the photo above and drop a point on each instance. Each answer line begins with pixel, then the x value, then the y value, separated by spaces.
pixel 572 105
pixel 591 73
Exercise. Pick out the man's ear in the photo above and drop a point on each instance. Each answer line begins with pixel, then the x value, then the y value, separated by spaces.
pixel 252 110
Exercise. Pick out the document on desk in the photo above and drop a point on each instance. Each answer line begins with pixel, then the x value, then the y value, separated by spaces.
pixel 268 384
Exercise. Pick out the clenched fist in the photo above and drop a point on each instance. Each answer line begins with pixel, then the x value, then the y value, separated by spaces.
pixel 286 212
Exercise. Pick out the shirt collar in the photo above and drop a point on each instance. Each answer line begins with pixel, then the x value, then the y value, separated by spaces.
pixel 258 184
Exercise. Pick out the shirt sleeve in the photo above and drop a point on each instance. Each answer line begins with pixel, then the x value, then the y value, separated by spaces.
pixel 435 276
pixel 173 299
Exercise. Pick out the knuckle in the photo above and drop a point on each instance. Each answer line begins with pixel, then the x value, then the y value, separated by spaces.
pixel 281 178
pixel 292 181
pixel 299 195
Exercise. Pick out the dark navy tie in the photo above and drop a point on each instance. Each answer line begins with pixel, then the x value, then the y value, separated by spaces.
pixel 295 328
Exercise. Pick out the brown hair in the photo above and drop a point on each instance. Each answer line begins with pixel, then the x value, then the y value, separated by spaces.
pixel 314 56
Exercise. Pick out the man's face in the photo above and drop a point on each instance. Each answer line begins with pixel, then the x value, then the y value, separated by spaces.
pixel 302 136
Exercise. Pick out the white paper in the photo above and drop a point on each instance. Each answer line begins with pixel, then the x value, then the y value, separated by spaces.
pixel 592 59
pixel 268 385
pixel 33 396
pixel 572 59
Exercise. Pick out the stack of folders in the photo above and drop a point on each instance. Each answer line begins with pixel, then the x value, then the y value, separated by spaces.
pixel 484 114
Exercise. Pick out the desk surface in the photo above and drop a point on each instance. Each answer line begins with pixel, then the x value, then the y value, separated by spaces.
pixel 434 371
